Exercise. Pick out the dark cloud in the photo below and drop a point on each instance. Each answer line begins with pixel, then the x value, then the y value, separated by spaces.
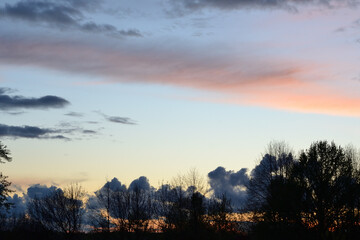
pixel 142 183
pixel 107 28
pixel 18 208
pixel 39 191
pixel 114 185
pixel 190 5
pixel 29 132
pixel 61 14
pixel 232 184
pixel 11 102
pixel 6 90
pixel 18 205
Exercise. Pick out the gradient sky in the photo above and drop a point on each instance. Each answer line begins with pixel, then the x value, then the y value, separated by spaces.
pixel 91 90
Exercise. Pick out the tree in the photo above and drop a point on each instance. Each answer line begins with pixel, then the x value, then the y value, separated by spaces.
pixel 59 211
pixel 141 209
pixel 277 162
pixel 274 199
pixel 100 210
pixel 4 183
pixel 317 194
pixel 331 183
pixel 183 203
pixel 218 211
pixel 119 209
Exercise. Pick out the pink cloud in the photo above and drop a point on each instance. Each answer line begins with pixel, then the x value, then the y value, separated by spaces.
pixel 245 80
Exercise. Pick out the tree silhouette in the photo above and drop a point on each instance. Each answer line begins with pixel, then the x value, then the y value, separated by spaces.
pixel 59 211
pixel 100 211
pixel 4 183
pixel 141 209
pixel 277 163
pixel 316 195
pixel 331 184
pixel 218 210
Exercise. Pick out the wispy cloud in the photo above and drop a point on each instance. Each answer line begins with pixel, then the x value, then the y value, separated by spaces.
pixel 117 119
pixel 15 113
pixel 74 114
pixel 183 6
pixel 15 102
pixel 65 14
pixel 86 131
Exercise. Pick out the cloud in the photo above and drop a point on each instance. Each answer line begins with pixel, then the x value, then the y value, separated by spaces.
pixel 17 187
pixel 122 120
pixel 15 113
pixel 29 132
pixel 240 79
pixel 39 191
pixel 89 131
pixel 6 90
pixel 74 114
pixel 14 102
pixel 61 14
pixel 114 185
pixel 73 128
pixel 17 209
pixel 83 4
pixel 116 119
pixel 184 6
pixel 18 206
pixel 142 183
pixel 232 184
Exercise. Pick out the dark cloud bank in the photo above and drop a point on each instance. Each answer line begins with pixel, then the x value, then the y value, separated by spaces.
pixel 15 102
pixel 62 14
pixel 232 184
pixel 30 132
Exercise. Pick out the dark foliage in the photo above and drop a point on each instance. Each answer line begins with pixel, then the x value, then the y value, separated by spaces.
pixel 317 198
pixel 4 182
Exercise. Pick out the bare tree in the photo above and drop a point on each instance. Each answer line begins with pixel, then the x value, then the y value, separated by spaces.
pixel 184 202
pixel 141 209
pixel 119 209
pixel 193 181
pixel 277 162
pixel 218 212
pixel 60 211
pixel 101 210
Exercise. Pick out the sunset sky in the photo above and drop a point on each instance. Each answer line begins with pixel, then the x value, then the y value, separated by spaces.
pixel 91 90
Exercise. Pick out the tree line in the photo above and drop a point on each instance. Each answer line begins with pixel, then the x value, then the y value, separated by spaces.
pixel 314 194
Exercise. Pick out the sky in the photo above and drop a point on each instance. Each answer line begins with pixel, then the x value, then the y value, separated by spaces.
pixel 91 90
